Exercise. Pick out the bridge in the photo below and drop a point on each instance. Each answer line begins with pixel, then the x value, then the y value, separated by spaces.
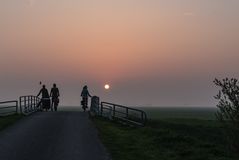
pixel 59 135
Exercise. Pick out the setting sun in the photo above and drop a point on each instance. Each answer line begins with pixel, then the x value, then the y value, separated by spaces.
pixel 107 86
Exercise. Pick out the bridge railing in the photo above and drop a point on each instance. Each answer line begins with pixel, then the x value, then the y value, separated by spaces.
pixel 28 104
pixel 8 107
pixel 127 114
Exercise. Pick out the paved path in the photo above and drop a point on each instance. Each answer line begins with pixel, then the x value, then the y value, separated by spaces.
pixel 52 136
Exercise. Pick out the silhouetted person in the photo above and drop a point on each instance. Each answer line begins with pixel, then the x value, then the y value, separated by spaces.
pixel 85 94
pixel 45 98
pixel 55 97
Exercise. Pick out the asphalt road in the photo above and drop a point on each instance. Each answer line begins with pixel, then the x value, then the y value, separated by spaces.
pixel 52 136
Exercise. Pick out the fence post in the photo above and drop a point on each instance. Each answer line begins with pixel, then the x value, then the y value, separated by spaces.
pixel 28 110
pixel 25 105
pixel 113 111
pixel 101 109
pixel 35 103
pixel 31 103
pixel 142 117
pixel 20 104
pixel 17 107
pixel 127 112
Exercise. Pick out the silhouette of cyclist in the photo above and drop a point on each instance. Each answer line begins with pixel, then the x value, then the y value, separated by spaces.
pixel 85 94
pixel 55 97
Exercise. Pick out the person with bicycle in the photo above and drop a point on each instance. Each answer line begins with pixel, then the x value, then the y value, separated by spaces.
pixel 45 100
pixel 85 94
pixel 55 97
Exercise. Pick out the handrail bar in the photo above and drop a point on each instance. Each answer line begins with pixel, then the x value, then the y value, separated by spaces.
pixel 8 112
pixel 3 102
pixel 122 106
pixel 134 109
pixel 113 112
pixel 7 107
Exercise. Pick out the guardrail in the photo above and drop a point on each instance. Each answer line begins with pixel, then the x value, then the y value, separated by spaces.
pixel 8 108
pixel 28 104
pixel 127 114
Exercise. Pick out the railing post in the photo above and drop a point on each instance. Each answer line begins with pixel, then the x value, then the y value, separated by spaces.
pixel 28 110
pixel 25 105
pixel 20 105
pixel 127 112
pixel 38 101
pixel 142 117
pixel 31 102
pixel 35 103
pixel 113 111
pixel 16 106
pixel 101 109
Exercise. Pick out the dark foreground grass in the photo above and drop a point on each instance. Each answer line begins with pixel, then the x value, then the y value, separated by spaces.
pixel 172 139
pixel 8 120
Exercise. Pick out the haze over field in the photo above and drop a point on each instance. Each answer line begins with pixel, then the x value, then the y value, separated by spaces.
pixel 154 52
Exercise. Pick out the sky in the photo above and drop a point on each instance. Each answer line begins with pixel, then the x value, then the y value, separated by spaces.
pixel 151 52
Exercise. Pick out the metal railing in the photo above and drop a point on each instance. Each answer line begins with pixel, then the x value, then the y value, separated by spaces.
pixel 8 108
pixel 28 104
pixel 127 114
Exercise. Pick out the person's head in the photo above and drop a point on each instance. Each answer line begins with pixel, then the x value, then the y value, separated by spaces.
pixel 54 85
pixel 85 87
pixel 44 86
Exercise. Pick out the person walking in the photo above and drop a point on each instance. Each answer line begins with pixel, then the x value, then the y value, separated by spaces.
pixel 45 100
pixel 85 94
pixel 55 97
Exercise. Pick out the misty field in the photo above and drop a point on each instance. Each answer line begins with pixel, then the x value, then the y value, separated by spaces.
pixel 203 113
pixel 174 133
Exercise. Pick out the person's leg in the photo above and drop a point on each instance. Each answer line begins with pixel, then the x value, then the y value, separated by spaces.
pixel 45 104
pixel 48 104
pixel 85 103
pixel 55 105
pixel 52 103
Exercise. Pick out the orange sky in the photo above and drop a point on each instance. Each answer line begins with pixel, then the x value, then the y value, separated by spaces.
pixel 161 46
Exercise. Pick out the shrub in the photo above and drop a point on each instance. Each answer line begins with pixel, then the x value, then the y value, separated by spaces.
pixel 228 113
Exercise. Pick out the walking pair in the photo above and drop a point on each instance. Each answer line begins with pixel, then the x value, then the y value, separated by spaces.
pixel 47 103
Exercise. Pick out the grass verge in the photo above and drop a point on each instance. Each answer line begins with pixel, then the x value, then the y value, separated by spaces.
pixel 8 120
pixel 172 139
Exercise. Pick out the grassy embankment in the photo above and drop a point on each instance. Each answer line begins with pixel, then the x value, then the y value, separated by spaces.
pixel 8 120
pixel 166 139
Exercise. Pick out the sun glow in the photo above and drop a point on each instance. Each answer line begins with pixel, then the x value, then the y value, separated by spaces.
pixel 107 86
